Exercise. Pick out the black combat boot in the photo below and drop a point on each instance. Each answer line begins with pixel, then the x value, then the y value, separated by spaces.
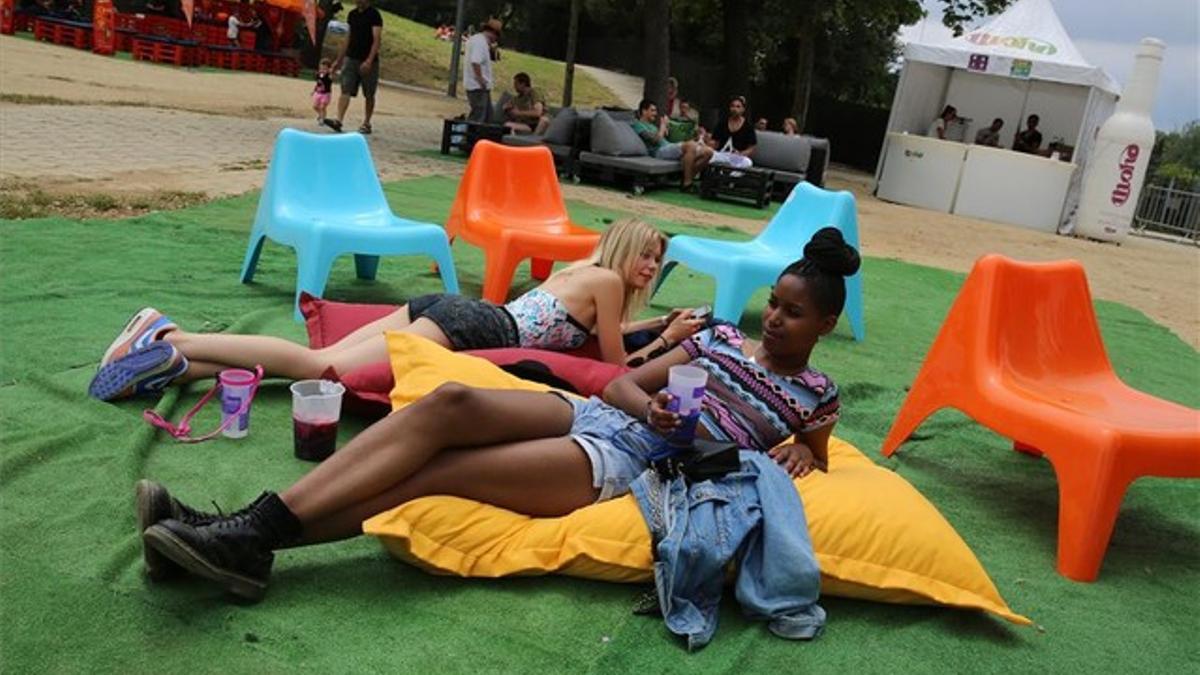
pixel 235 551
pixel 155 504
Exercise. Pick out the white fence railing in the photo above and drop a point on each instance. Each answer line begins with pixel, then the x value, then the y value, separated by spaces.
pixel 1167 210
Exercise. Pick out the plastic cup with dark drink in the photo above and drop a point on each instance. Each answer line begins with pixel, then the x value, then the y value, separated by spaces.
pixel 316 409
pixel 686 386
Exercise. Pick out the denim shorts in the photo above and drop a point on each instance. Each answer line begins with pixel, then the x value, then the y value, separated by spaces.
pixel 669 152
pixel 618 446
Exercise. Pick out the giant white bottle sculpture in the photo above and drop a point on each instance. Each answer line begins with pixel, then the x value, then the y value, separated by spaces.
pixel 1121 154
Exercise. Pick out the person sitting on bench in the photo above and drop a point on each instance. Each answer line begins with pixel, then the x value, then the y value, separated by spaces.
pixel 735 139
pixel 526 112
pixel 652 128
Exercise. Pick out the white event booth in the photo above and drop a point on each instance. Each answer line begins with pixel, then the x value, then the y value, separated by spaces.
pixel 1021 63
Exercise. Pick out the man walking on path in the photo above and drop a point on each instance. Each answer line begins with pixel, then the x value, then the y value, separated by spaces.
pixel 477 71
pixel 359 61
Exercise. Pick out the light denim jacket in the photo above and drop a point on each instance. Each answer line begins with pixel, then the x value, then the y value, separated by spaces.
pixel 753 515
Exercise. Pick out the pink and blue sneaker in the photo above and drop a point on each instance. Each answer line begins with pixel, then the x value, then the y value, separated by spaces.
pixel 144 327
pixel 140 372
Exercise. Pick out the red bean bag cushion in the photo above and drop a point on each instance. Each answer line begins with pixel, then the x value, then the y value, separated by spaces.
pixel 327 322
pixel 367 388
pixel 586 377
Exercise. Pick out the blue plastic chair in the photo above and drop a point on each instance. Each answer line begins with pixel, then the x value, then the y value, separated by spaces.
pixel 323 198
pixel 741 268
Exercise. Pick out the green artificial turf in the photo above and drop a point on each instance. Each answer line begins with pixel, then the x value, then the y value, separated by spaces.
pixel 74 598
pixel 725 207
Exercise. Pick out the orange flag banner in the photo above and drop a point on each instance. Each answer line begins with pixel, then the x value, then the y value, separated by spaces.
pixel 188 7
pixel 104 36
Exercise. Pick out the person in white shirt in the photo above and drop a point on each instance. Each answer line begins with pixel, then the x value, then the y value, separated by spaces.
pixel 477 71
pixel 938 128
pixel 235 25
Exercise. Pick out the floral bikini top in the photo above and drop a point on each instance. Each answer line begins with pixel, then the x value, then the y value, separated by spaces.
pixel 543 322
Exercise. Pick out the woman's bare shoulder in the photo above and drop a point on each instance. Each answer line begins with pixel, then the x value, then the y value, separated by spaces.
pixel 596 278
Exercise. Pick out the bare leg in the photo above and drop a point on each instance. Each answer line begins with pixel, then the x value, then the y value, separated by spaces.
pixel 688 161
pixel 704 155
pixel 546 478
pixel 369 105
pixel 343 104
pixel 199 370
pixel 542 125
pixel 282 358
pixel 397 320
pixel 392 450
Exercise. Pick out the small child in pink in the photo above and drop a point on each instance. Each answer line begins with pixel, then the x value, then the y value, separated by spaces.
pixel 323 91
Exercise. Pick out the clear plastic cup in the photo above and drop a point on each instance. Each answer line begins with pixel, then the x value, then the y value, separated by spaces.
pixel 236 385
pixel 686 386
pixel 316 409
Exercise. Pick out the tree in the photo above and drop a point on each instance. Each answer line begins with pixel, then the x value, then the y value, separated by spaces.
pixel 327 12
pixel 868 28
pixel 572 38
pixel 1176 156
pixel 736 19
pixel 956 13
pixel 656 32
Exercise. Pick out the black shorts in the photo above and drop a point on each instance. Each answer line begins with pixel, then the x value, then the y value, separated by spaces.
pixel 351 78
pixel 467 322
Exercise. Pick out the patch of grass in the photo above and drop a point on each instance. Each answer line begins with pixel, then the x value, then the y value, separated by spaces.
pixel 22 200
pixel 412 55
pixel 267 111
pixel 101 202
pixel 248 165
pixel 35 99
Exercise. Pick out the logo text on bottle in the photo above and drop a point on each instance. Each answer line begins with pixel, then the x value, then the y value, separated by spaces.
pixel 1120 193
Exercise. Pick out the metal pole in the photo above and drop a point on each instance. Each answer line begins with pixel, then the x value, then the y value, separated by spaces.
pixel 455 49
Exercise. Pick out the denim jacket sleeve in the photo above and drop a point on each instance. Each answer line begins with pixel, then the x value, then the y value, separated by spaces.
pixel 752 517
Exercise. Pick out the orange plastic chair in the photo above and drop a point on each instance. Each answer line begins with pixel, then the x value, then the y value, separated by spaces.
pixel 1020 352
pixel 509 204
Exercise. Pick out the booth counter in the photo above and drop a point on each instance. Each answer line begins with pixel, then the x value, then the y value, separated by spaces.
pixel 1013 187
pixel 974 180
pixel 921 171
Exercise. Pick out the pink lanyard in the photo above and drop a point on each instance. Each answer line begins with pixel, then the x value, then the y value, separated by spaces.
pixel 182 432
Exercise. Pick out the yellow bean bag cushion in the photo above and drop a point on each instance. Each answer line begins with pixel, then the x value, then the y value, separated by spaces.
pixel 875 536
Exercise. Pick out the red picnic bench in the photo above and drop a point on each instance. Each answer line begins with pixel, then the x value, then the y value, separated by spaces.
pixel 63 32
pixel 159 50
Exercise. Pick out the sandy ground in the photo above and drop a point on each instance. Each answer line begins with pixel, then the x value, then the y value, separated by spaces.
pixel 75 121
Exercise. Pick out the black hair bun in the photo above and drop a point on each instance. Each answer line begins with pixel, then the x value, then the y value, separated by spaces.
pixel 830 253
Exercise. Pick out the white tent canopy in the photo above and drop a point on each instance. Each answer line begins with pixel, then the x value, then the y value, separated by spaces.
pixel 1020 63
pixel 1030 31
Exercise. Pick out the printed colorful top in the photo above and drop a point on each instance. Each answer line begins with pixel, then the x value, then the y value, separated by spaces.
pixel 544 323
pixel 746 404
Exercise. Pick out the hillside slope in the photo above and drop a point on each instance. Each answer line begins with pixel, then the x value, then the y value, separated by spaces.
pixel 413 56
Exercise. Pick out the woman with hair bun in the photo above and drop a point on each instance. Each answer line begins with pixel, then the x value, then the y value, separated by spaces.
pixel 535 453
